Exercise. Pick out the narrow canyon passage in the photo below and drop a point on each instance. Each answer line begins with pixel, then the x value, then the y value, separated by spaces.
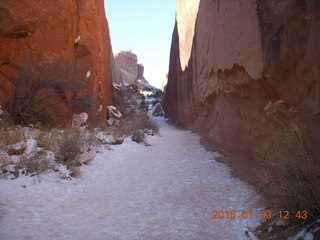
pixel 165 191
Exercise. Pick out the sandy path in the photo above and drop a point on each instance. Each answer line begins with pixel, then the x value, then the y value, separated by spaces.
pixel 165 191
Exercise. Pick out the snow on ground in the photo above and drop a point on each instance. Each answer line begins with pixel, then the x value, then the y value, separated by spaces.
pixel 166 191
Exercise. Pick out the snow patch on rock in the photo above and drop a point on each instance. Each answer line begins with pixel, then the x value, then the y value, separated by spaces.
pixel 100 108
pixel 88 74
pixel 77 39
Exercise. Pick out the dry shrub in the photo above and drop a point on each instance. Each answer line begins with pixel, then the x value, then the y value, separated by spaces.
pixel 49 140
pixel 294 182
pixel 138 126
pixel 72 142
pixel 33 164
pixel 135 121
pixel 10 135
pixel 138 136
pixel 40 90
pixel 14 151
pixel 141 121
pixel 62 146
pixel 28 164
pixel 4 165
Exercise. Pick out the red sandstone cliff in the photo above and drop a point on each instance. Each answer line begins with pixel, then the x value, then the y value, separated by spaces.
pixel 130 71
pixel 73 33
pixel 229 58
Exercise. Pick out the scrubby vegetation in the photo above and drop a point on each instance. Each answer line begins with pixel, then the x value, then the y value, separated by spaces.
pixel 30 147
pixel 31 151
pixel 40 90
pixel 136 122
pixel 293 184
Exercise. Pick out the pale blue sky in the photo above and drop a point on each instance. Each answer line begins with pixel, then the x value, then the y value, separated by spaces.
pixel 145 27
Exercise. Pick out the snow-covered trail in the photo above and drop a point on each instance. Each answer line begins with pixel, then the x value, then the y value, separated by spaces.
pixel 166 191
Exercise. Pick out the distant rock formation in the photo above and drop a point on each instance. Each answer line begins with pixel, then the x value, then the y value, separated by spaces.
pixel 72 33
pixel 229 58
pixel 131 71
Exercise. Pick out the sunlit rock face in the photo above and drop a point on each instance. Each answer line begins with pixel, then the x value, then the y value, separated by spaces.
pixel 131 72
pixel 186 19
pixel 243 54
pixel 71 36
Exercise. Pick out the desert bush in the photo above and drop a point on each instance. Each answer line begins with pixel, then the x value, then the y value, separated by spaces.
pixel 138 136
pixel 293 184
pixel 11 137
pixel 33 164
pixel 11 134
pixel 4 165
pixel 49 139
pixel 53 146
pixel 127 101
pixel 138 126
pixel 73 142
pixel 13 151
pixel 27 164
pixel 39 90
pixel 135 120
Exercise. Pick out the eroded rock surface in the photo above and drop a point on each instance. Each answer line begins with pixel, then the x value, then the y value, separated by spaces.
pixel 244 54
pixel 131 72
pixel 72 34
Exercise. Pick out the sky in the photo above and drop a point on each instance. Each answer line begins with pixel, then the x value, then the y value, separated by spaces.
pixel 145 27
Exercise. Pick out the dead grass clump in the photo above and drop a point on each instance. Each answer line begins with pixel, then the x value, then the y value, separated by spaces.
pixel 49 140
pixel 148 124
pixel 294 182
pixel 10 135
pixel 51 147
pixel 33 164
pixel 70 148
pixel 135 120
pixel 19 151
pixel 137 127
pixel 138 136
pixel 28 164
pixel 4 165
pixel 39 91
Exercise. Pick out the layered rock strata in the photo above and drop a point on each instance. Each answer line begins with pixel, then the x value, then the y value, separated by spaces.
pixel 131 71
pixel 230 58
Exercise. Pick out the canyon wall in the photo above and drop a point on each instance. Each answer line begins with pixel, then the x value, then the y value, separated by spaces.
pixel 230 58
pixel 131 71
pixel 70 39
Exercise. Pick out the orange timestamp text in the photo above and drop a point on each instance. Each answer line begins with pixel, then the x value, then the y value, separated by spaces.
pixel 262 214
